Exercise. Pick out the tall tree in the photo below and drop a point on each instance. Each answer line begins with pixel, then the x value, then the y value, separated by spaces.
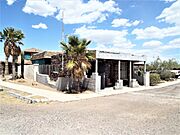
pixel 12 39
pixel 77 57
pixel 159 65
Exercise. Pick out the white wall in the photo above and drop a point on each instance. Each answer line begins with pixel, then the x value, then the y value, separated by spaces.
pixel 147 79
pixel 28 71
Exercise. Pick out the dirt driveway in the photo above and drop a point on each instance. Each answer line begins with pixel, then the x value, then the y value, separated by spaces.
pixel 151 112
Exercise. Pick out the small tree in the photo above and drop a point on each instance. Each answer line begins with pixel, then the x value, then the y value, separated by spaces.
pixel 154 79
pixel 77 57
pixel 158 65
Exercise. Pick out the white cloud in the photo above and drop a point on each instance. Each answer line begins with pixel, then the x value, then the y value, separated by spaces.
pixel 169 0
pixel 113 40
pixel 152 43
pixel 136 22
pixel 39 7
pixel 107 38
pixel 75 11
pixel 10 2
pixel 153 53
pixel 40 25
pixel 153 32
pixel 124 22
pixel 173 44
pixel 89 12
pixel 171 14
pixel 91 27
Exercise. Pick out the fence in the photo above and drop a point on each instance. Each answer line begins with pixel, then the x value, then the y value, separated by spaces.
pixel 48 69
pixel 51 70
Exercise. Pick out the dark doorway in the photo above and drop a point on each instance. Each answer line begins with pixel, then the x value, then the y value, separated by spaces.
pixel 108 70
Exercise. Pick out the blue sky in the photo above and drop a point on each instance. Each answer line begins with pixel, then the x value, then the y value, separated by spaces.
pixel 149 27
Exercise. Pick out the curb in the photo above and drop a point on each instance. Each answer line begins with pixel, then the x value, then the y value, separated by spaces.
pixel 27 99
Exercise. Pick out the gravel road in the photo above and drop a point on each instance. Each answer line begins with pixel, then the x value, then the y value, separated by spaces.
pixel 124 114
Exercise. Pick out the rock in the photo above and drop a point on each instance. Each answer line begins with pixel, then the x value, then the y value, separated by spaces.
pixel 3 79
pixel 1 89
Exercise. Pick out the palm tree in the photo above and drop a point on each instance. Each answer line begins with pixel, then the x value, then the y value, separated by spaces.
pixel 77 57
pixel 12 39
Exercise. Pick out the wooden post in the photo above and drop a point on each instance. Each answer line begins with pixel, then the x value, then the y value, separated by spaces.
pixel 96 69
pixel 96 74
pixel 130 73
pixel 62 62
pixel 119 70
pixel 144 66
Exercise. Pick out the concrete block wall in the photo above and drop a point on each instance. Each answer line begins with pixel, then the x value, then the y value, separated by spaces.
pixel 62 83
pixel 94 83
pixel 134 83
pixel 42 78
pixel 91 85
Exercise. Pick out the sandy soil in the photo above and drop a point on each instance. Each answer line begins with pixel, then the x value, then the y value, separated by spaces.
pixel 31 83
pixel 124 114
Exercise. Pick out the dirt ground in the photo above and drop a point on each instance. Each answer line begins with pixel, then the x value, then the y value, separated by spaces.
pixel 32 83
pixel 124 114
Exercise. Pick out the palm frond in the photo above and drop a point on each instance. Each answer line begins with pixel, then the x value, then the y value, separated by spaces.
pixel 77 57
pixel 70 65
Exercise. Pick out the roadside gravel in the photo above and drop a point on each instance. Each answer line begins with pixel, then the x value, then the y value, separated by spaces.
pixel 125 114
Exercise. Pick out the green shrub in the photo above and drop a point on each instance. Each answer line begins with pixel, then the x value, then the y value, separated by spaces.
pixel 166 75
pixel 154 79
pixel 173 75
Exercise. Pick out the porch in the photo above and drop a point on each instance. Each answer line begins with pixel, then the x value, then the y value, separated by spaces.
pixel 113 69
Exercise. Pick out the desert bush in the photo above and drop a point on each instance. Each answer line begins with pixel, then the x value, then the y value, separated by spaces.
pixel 154 79
pixel 173 75
pixel 166 75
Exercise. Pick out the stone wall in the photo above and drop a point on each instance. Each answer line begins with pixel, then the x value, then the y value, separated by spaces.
pixel 88 83
pixel 94 83
pixel 62 83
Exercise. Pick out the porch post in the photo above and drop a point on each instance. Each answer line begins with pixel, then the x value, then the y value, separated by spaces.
pixel 119 83
pixel 96 69
pixel 130 73
pixel 144 66
pixel 62 62
pixel 119 70
pixel 96 76
pixel 146 76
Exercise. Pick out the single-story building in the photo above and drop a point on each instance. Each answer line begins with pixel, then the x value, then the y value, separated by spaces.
pixel 115 69
pixel 28 53
pixel 109 69
pixel 43 58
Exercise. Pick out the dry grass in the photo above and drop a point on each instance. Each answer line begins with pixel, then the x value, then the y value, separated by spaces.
pixel 37 97
pixel 5 98
pixel 22 93
pixel 31 83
